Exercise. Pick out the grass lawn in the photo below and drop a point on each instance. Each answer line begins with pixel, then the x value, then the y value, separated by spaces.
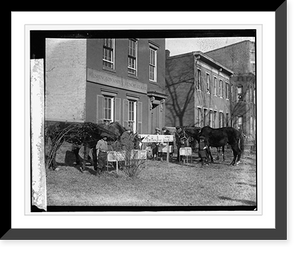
pixel 159 184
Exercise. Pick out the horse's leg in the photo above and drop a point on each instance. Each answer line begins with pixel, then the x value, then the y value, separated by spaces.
pixel 239 153
pixel 218 154
pixel 94 152
pixel 85 155
pixel 223 147
pixel 235 153
pixel 76 153
pixel 210 155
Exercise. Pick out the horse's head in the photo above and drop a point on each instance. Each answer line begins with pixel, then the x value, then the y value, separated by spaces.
pixel 181 136
pixel 137 140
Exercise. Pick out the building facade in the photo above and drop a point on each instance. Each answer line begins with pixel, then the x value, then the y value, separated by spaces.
pixel 199 91
pixel 240 57
pixel 105 80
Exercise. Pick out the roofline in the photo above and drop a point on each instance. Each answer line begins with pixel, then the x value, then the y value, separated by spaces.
pixel 243 41
pixel 202 55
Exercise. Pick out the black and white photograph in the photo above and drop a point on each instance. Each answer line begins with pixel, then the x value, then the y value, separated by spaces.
pixel 162 120
pixel 148 126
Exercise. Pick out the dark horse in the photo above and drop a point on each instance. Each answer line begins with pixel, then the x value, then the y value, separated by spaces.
pixel 84 134
pixel 219 137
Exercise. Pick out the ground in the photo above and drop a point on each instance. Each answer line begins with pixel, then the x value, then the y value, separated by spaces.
pixel 158 184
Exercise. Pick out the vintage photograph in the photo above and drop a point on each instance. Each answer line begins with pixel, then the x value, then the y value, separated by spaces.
pixel 146 120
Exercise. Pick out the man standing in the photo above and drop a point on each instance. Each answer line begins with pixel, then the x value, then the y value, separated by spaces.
pixel 102 149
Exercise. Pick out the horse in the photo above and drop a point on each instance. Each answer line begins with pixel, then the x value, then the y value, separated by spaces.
pixel 84 134
pixel 219 137
pixel 193 132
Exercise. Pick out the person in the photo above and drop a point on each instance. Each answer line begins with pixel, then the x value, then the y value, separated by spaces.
pixel 203 152
pixel 102 149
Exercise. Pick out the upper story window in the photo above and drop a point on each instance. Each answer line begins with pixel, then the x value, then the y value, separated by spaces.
pixel 153 64
pixel 221 88
pixel 109 53
pixel 215 86
pixel 208 82
pixel 227 90
pixel 132 57
pixel 198 79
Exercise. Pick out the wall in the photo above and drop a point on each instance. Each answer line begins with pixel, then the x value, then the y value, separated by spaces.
pixel 65 79
pixel 95 55
pixel 120 82
pixel 208 99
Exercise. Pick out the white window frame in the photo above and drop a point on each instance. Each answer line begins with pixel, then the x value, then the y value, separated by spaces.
pixel 152 64
pixel 112 102
pixel 132 70
pixel 133 121
pixel 113 48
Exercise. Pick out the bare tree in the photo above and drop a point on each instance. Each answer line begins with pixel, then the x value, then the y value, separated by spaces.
pixel 180 88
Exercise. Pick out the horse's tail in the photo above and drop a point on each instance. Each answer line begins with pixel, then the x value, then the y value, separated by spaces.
pixel 241 142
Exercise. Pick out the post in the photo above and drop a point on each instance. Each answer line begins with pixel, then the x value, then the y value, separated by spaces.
pixel 168 152
pixel 117 166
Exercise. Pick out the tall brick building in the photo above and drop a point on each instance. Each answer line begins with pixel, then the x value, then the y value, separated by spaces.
pixel 198 89
pixel 104 80
pixel 240 57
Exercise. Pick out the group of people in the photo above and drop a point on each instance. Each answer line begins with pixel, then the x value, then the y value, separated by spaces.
pixel 127 144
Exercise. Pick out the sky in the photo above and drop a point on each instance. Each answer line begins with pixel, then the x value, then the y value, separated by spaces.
pixel 185 45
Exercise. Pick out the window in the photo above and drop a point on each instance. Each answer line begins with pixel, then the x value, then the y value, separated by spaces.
pixel 215 86
pixel 227 119
pixel 199 117
pixel 132 115
pixel 109 53
pixel 207 82
pixel 221 119
pixel 108 109
pixel 215 119
pixel 240 122
pixel 205 118
pixel 211 119
pixel 239 93
pixel 199 79
pixel 227 90
pixel 221 88
pixel 132 57
pixel 153 64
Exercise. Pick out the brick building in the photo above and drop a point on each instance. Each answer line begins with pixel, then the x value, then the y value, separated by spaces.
pixel 198 89
pixel 104 80
pixel 240 57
